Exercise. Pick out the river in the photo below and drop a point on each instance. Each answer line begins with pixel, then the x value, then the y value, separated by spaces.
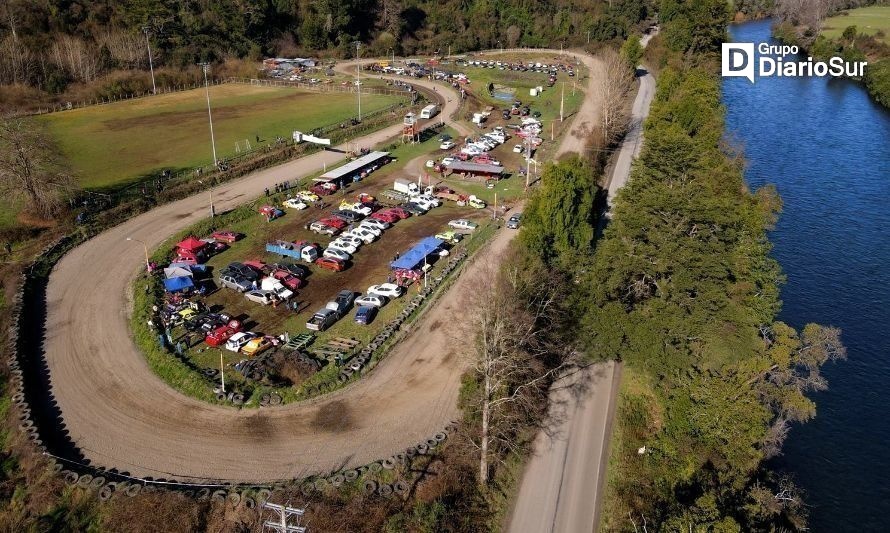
pixel 826 147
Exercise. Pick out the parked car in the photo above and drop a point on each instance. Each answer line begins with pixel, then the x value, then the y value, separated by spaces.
pixel 365 315
pixel 235 282
pixel 517 149
pixel 349 216
pixel 363 234
pixel 371 300
pixel 352 240
pixel 358 207
pixel 322 319
pixel 258 345
pixel 287 279
pixel 323 229
pixel 335 253
pixel 261 297
pixel 238 340
pixel 222 334
pixel 344 246
pixel 462 223
pixel 242 270
pixel 400 212
pixel 415 209
pixel 450 236
pixel 296 270
pixel 308 196
pixel 390 290
pixel 295 203
pixel 331 263
pixel 372 230
pixel 227 236
pixel 374 223
pixel 385 216
pixel 447 145
pixel 514 221
pixel 342 303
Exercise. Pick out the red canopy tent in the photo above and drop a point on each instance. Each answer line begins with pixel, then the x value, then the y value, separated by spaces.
pixel 191 244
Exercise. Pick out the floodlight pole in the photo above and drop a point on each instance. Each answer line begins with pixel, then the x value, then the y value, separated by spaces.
pixel 205 67
pixel 154 88
pixel 358 80
pixel 145 248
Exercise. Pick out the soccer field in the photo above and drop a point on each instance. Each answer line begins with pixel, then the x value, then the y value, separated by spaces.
pixel 114 144
pixel 868 20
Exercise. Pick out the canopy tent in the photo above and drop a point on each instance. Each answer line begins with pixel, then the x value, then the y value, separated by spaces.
pixel 416 255
pixel 178 284
pixel 177 272
pixel 191 244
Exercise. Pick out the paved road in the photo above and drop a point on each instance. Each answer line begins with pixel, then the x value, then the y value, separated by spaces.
pixel 561 488
pixel 121 415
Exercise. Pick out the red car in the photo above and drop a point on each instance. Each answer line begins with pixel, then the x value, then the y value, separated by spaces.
pixel 287 279
pixel 324 189
pixel 330 263
pixel 259 266
pixel 399 212
pixel 334 222
pixel 220 335
pixel 227 236
pixel 385 216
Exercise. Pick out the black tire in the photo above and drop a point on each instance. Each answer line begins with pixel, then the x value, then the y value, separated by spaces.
pixel 97 482
pixel 234 498
pixel 369 486
pixel 321 484
pixel 263 495
pixel 432 443
pixel 238 399
pixel 203 494
pixel 84 481
pixel 70 477
pixel 401 487
pixel 374 467
pixel 441 436
pixel 221 397
pixel 218 496
pixel 422 448
pixel 105 493
pixel 411 452
pixel 385 490
pixel 266 397
pixel 57 467
pixel 249 503
pixel 133 490
pixel 338 480
pixel 350 475
pixel 275 399
pixel 388 463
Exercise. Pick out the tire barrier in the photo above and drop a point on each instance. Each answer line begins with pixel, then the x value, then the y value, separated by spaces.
pixel 97 483
pixel 441 436
pixel 133 490
pixel 388 464
pixel 274 399
pixel 337 480
pixel 218 496
pixel 350 475
pixel 249 503
pixel 105 493
pixel 234 498
pixel 385 490
pixel 401 487
pixel 411 452
pixel 422 448
pixel 203 494
pixel 57 468
pixel 431 443
pixel 70 477
pixel 321 484
pixel 238 399
pixel 263 495
pixel 369 486
pixel 374 467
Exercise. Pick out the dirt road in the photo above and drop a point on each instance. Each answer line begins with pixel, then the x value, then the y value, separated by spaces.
pixel 121 415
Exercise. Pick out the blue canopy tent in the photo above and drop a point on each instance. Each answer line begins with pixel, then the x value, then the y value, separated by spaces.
pixel 178 284
pixel 414 257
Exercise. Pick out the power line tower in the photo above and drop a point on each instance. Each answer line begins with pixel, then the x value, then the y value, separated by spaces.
pixel 281 518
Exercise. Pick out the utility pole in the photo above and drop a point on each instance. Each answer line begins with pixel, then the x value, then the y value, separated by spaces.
pixel 588 36
pixel 206 67
pixel 282 514
pixel 562 98
pixel 222 372
pixel 154 88
pixel 358 80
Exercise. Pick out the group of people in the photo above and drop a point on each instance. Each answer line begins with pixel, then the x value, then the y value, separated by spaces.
pixel 279 187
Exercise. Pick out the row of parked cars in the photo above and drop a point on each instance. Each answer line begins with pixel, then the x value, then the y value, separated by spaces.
pixel 368 305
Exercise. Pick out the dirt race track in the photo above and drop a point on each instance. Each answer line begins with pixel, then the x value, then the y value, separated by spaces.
pixel 120 415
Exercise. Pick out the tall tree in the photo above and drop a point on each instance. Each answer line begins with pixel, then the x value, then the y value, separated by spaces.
pixel 29 168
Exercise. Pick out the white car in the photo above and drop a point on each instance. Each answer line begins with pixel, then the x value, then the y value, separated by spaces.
pixel 374 223
pixel 430 163
pixel 373 230
pixel 517 149
pixel 348 239
pixel 364 234
pixel 238 340
pixel 425 202
pixel 471 150
pixel 357 208
pixel 343 247
pixel 336 253
pixel 462 223
pixel 371 300
pixel 390 290
pixel 295 203
pixel 448 161
pixel 447 145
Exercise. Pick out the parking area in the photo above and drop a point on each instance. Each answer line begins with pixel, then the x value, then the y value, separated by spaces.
pixel 290 304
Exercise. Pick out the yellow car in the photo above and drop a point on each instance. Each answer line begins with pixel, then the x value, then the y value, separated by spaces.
pixel 258 345
pixel 308 196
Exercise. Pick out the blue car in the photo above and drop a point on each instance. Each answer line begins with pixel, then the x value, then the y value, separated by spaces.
pixel 365 315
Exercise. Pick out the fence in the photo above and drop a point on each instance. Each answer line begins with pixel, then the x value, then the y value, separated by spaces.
pixel 318 87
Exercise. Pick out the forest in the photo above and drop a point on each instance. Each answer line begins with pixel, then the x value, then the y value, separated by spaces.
pixel 52 44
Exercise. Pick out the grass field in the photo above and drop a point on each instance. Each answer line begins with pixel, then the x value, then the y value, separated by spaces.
pixel 868 20
pixel 113 144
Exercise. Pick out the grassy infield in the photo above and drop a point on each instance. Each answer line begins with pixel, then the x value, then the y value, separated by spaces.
pixel 868 20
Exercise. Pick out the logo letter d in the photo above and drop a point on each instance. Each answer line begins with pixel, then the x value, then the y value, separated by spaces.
pixel 737 60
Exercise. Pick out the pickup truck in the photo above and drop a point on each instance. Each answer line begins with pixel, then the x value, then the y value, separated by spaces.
pixel 322 320
pixel 342 303
pixel 287 249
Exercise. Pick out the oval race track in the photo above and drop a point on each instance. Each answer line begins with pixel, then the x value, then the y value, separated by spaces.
pixel 120 415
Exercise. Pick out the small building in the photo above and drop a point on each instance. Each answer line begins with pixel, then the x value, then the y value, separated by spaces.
pixel 476 170
pixel 354 169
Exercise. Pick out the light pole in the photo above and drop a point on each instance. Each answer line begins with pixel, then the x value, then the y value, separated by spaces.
pixel 154 88
pixel 393 50
pixel 222 372
pixel 588 36
pixel 145 248
pixel 205 67
pixel 358 80
pixel 501 46
pixel 212 209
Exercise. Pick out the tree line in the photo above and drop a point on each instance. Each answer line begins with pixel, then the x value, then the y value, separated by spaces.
pixel 50 44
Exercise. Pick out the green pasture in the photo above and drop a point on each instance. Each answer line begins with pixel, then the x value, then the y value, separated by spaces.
pixel 868 20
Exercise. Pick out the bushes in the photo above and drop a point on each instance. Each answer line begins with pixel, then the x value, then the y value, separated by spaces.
pixel 877 80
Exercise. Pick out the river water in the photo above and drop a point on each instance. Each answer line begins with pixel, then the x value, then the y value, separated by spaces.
pixel 826 147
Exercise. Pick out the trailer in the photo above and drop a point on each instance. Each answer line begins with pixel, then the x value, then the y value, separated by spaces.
pixel 429 111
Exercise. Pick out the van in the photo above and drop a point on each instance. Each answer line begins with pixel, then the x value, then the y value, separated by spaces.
pixel 429 111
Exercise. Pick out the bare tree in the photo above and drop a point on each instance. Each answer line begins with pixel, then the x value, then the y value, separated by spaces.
pixel 127 48
pixel 77 57
pixel 514 363
pixel 810 13
pixel 29 167
pixel 612 87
